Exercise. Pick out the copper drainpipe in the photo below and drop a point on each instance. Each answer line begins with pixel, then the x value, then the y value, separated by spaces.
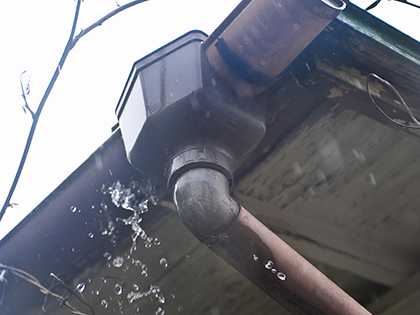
pixel 261 38
pixel 248 52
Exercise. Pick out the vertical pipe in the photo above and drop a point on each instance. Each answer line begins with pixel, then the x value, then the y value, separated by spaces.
pixel 264 38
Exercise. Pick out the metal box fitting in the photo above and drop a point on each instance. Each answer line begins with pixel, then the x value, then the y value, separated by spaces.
pixel 175 114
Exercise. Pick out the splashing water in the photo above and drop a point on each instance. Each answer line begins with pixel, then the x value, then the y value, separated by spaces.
pixel 281 276
pixel 104 303
pixel 132 197
pixel 138 263
pixel 154 291
pixel 269 265
pixel 81 287
pixel 164 262
pixel 118 261
pixel 135 197
pixel 118 289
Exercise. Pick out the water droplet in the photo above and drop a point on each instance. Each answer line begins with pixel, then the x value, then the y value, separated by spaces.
pixel 121 304
pixel 91 235
pixel 173 296
pixel 73 209
pixel 281 276
pixel 180 309
pixel 118 289
pixel 297 169
pixel 372 179
pixel 234 119
pixel 159 311
pixel 255 257
pixel 135 287
pixel 104 303
pixel 273 270
pixel 321 176
pixel 81 287
pixel 269 265
pixel 161 298
pixel 104 189
pixel 118 261
pixel 164 263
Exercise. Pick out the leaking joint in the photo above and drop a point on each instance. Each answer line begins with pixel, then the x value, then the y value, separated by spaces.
pixel 202 199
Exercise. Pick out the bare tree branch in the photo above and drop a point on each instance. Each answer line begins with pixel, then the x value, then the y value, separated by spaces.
pixel 31 279
pixel 107 17
pixel 374 4
pixel 24 93
pixel 35 116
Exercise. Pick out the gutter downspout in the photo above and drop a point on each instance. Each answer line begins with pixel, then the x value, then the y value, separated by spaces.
pixel 248 52
pixel 196 138
pixel 202 200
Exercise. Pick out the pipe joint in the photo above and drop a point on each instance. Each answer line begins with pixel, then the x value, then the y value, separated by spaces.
pixel 202 199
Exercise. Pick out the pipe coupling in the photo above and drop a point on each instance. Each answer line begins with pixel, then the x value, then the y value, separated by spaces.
pixel 202 199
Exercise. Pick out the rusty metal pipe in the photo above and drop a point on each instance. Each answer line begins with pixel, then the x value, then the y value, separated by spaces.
pixel 203 203
pixel 265 259
pixel 261 38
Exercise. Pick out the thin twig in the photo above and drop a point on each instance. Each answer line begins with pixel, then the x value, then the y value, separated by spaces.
pixel 35 117
pixel 73 292
pixel 374 4
pixel 409 3
pixel 38 112
pixel 24 93
pixel 31 279
pixel 107 17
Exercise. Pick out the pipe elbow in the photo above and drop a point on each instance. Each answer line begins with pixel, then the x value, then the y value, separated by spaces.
pixel 202 200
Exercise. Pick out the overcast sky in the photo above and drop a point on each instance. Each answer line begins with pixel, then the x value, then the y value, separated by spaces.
pixel 79 114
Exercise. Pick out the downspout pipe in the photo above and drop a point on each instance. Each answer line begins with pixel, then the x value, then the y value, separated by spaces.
pixel 203 202
pixel 257 42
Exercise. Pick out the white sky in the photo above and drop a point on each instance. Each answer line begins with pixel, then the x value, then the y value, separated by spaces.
pixel 79 113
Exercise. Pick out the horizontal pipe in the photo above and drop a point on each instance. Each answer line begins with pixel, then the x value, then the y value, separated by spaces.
pixel 202 200
pixel 264 38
